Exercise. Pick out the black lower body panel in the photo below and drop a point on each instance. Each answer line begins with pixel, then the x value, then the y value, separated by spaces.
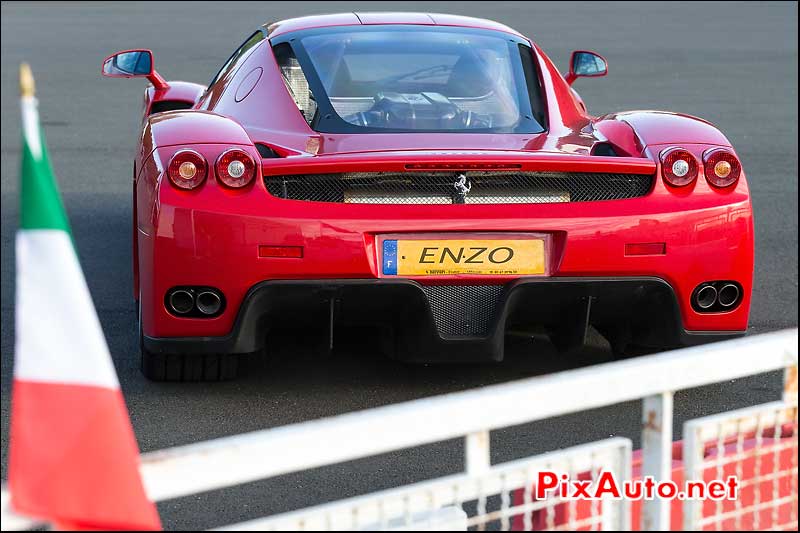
pixel 457 323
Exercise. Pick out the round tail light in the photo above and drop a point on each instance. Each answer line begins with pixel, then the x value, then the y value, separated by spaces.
pixel 678 166
pixel 721 167
pixel 235 168
pixel 187 169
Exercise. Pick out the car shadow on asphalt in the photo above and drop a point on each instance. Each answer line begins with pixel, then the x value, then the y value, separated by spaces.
pixel 298 358
pixel 295 381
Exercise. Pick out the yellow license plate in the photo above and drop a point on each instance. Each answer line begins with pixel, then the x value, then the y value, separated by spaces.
pixel 463 256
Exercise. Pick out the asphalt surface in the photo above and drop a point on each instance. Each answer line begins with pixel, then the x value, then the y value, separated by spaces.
pixel 734 64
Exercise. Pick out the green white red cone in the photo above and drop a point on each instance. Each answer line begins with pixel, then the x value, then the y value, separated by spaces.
pixel 73 458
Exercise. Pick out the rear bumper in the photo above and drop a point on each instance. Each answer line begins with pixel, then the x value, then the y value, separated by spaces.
pixel 419 323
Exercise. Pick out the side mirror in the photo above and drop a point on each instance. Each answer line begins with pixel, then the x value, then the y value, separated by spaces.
pixel 133 64
pixel 129 64
pixel 586 64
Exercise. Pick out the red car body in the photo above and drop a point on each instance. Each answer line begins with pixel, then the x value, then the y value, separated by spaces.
pixel 630 267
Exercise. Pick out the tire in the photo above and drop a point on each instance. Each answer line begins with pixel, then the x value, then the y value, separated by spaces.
pixel 185 367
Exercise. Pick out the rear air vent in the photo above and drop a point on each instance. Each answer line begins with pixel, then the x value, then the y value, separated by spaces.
pixel 266 152
pixel 604 149
pixel 169 105
pixel 468 187
pixel 463 310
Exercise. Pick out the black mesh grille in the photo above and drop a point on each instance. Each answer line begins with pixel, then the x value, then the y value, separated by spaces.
pixel 463 310
pixel 467 187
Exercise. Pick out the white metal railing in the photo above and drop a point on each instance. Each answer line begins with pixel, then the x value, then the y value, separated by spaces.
pixel 510 485
pixel 759 446
pixel 229 461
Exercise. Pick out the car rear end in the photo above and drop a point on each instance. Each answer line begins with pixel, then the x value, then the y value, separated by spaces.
pixel 444 252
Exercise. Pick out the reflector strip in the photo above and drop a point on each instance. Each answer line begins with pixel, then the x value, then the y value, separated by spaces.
pixel 646 248
pixel 294 252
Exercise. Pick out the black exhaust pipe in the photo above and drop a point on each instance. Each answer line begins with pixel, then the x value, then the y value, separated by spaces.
pixel 181 301
pixel 706 297
pixel 728 295
pixel 209 303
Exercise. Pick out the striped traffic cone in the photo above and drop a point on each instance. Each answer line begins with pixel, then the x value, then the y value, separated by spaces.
pixel 73 458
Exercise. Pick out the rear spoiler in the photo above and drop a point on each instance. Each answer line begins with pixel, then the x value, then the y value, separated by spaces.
pixel 454 161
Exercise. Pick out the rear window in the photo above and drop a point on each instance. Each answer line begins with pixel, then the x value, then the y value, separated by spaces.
pixel 367 66
pixel 412 78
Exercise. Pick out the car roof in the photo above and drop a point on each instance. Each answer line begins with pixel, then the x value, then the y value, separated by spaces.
pixel 377 18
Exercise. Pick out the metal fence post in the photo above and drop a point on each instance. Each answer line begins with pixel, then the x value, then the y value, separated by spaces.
pixel 616 514
pixel 790 385
pixel 656 457
pixel 477 458
pixel 692 470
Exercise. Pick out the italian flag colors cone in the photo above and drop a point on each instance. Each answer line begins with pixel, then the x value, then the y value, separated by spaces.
pixel 73 458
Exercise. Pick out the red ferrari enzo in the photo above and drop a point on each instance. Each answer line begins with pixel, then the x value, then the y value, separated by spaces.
pixel 430 176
